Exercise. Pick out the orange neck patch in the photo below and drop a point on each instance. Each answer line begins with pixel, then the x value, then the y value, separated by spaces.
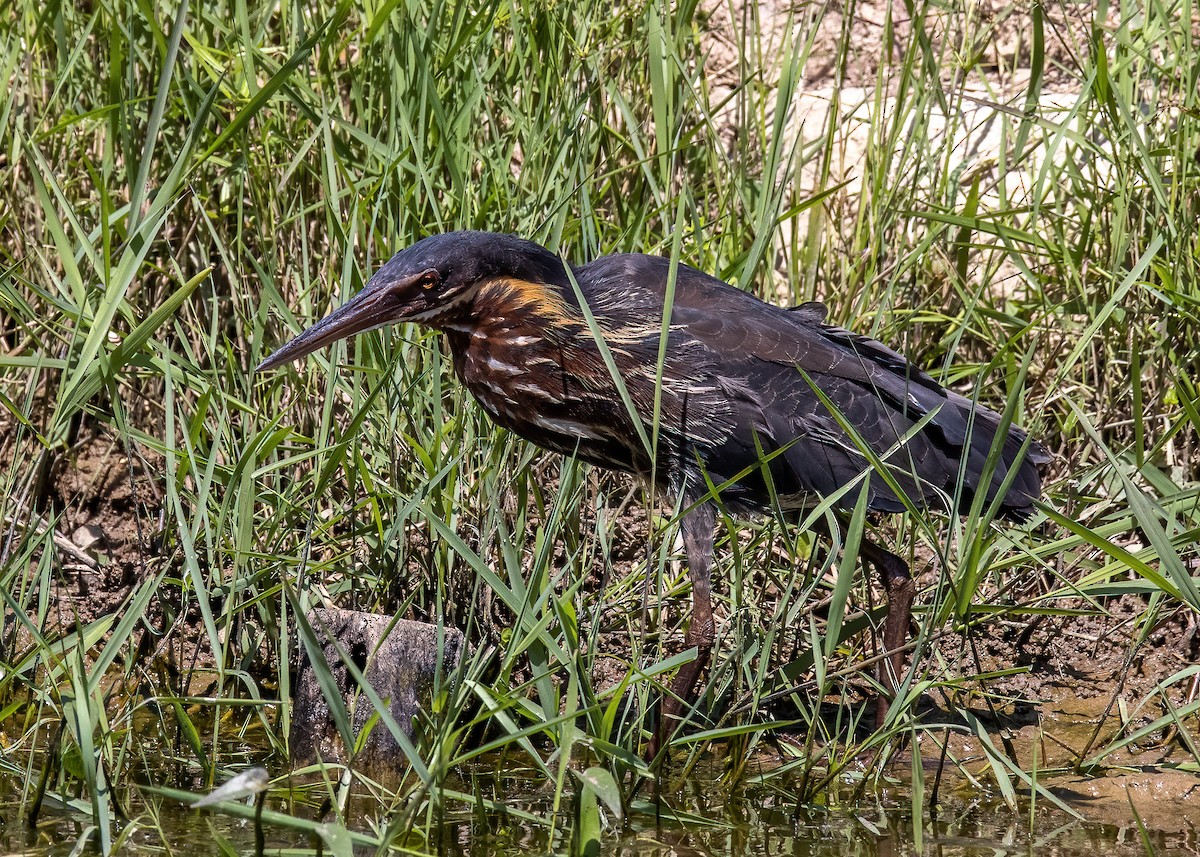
pixel 505 295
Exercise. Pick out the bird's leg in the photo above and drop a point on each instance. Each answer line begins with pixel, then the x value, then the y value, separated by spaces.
pixel 697 526
pixel 898 582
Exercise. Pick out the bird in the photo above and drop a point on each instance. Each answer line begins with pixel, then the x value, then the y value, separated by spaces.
pixel 746 408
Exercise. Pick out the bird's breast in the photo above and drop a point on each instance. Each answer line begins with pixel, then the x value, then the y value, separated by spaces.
pixel 544 391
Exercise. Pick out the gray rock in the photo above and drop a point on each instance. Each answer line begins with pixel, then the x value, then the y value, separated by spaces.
pixel 402 667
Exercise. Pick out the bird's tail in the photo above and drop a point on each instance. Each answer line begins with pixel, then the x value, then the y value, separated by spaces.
pixel 1026 486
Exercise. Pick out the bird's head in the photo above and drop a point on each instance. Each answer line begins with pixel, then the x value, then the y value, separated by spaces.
pixel 432 282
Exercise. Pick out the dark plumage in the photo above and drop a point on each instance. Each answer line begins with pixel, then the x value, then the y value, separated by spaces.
pixel 736 388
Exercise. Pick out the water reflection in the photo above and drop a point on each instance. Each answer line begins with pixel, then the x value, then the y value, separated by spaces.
pixel 757 821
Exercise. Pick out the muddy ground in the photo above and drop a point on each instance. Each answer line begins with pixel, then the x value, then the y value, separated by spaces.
pixel 1081 686
pixel 1084 684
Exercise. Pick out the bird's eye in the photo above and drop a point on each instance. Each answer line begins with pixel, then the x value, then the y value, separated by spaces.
pixel 429 280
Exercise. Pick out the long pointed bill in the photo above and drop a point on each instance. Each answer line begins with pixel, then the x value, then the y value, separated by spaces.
pixel 367 310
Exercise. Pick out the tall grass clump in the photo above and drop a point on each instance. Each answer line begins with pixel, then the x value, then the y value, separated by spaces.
pixel 188 185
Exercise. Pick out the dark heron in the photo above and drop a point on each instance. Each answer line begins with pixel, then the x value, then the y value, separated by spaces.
pixel 749 396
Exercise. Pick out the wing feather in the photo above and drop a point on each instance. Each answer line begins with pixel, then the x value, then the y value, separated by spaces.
pixel 748 369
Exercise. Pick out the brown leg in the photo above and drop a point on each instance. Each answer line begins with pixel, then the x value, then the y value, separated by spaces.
pixel 697 526
pixel 898 582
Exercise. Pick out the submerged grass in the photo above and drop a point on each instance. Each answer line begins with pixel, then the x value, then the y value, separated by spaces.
pixel 186 191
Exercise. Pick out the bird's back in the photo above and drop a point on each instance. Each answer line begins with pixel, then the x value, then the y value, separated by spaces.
pixel 740 384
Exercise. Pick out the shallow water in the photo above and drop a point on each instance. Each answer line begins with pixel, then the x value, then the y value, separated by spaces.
pixel 757 822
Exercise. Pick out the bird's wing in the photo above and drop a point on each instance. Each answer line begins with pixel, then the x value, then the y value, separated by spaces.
pixel 734 326
pixel 753 352
pixel 813 311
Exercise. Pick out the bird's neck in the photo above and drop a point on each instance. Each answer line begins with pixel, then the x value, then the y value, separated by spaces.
pixel 524 299
pixel 512 304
